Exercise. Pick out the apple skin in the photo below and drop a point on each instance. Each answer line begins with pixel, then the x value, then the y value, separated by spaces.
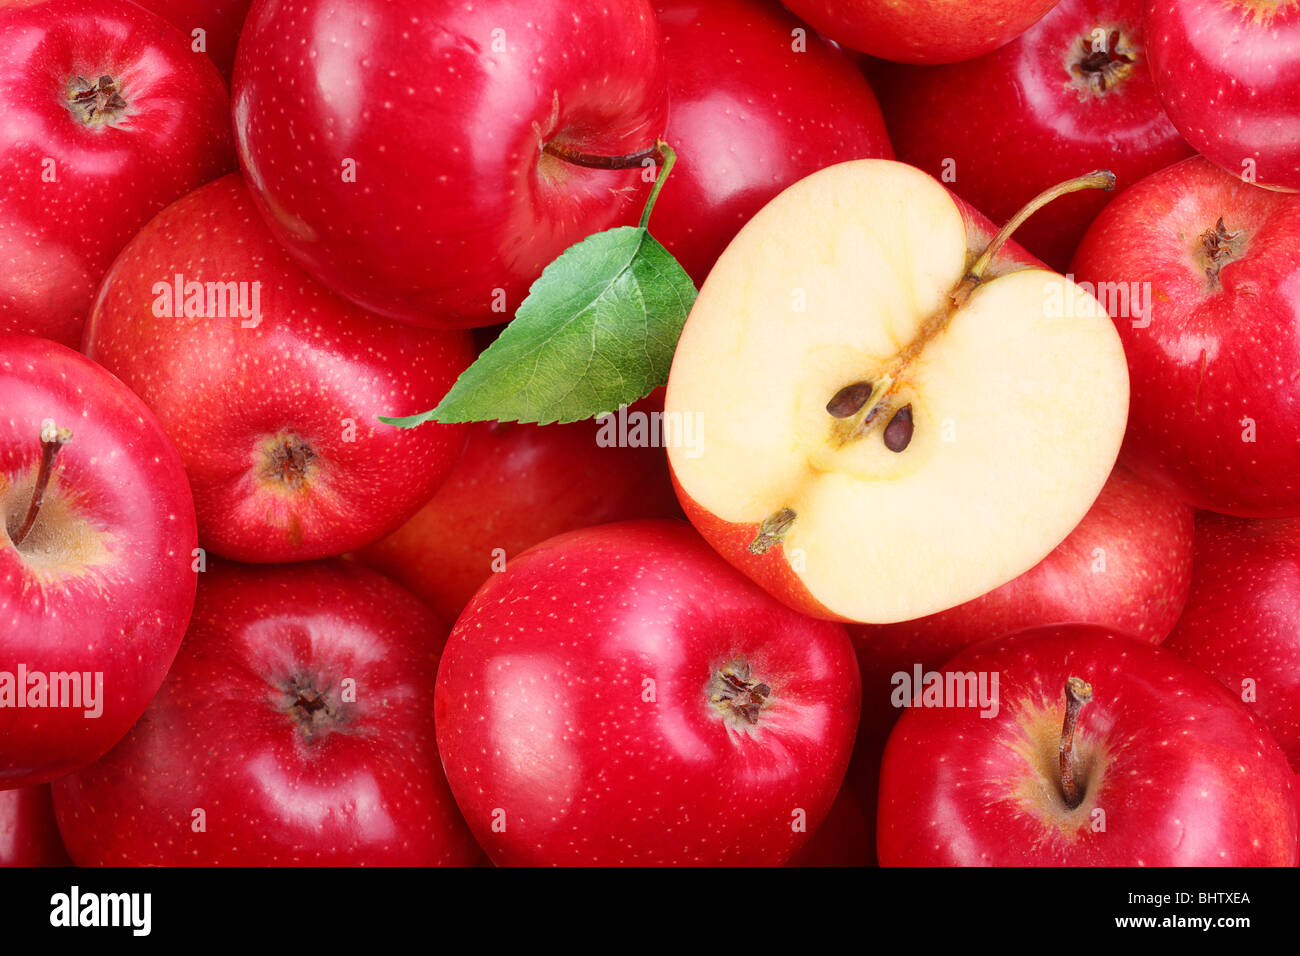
pixel 58 238
pixel 847 837
pixel 921 31
pixel 103 582
pixel 1183 772
pixel 1228 74
pixel 221 21
pixel 515 486
pixel 1017 121
pixel 29 834
pixel 749 116
pixel 542 717
pixel 228 734
pixel 732 540
pixel 1217 361
pixel 1243 617
pixel 453 197
pixel 241 402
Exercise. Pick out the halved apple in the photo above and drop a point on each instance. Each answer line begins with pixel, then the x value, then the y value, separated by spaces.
pixel 892 423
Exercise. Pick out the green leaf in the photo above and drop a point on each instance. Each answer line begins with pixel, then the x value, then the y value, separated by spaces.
pixel 597 331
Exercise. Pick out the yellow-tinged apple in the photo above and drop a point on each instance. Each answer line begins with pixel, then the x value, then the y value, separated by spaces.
pixel 862 295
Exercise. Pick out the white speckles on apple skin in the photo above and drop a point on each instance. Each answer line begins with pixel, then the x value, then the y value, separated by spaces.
pixel 543 710
pixel 217 738
pixel 314 368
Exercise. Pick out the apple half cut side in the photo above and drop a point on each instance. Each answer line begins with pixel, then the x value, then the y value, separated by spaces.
pixel 892 422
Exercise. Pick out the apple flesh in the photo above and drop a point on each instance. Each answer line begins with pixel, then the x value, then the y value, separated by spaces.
pixel 96 584
pixel 754 107
pixel 515 486
pixel 1228 72
pixel 1072 92
pixel 441 175
pixel 29 834
pixel 853 280
pixel 621 696
pixel 1169 768
pixel 295 728
pixel 1242 623
pixel 1215 360
pixel 108 118
pixel 274 408
pixel 921 31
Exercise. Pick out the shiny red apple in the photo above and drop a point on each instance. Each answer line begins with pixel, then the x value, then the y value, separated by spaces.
pixel 757 102
pixel 29 834
pixel 97 536
pixel 1228 72
pixel 108 118
pixel 1073 92
pixel 621 695
pixel 1215 361
pixel 1161 766
pixel 428 159
pixel 219 20
pixel 515 486
pixel 921 31
pixel 271 386
pixel 295 728
pixel 1242 623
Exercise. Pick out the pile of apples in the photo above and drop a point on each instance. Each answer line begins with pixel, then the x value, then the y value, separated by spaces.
pixel 971 534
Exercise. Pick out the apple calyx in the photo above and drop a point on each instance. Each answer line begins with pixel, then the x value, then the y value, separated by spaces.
pixel 309 707
pixel 1077 693
pixel 1103 62
pixel 737 694
pixel 288 461
pixel 1218 246
pixel 96 102
pixel 53 438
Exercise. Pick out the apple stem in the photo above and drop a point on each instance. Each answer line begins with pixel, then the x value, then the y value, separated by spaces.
pixel 52 439
pixel 591 161
pixel 1077 693
pixel 667 159
pixel 1097 179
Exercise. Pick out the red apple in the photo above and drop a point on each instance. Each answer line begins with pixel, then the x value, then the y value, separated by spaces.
pixel 274 408
pixel 921 31
pixel 1127 566
pixel 847 837
pixel 29 834
pixel 1228 72
pixel 1215 359
pixel 108 118
pixel 96 541
pixel 754 107
pixel 1163 767
pixel 296 728
pixel 219 20
pixel 426 158
pixel 515 486
pixel 1242 623
pixel 1071 93
pixel 620 695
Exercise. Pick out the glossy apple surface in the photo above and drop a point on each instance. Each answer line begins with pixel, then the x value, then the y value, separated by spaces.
pixel 1173 770
pixel 410 162
pixel 275 414
pixel 1215 409
pixel 298 719
pixel 101 585
pixel 108 118
pixel 1057 101
pixel 515 486
pixel 1242 623
pixel 29 834
pixel 220 21
pixel 921 31
pixel 754 107
pixel 1228 72
pixel 856 278
pixel 620 695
